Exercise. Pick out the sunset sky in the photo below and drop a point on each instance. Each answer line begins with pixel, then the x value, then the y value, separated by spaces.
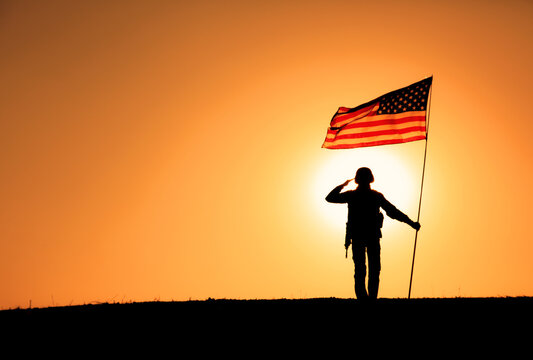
pixel 172 149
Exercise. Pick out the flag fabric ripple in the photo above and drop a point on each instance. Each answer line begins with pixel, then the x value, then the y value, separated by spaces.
pixel 396 117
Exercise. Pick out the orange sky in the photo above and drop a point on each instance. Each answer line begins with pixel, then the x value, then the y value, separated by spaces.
pixel 172 150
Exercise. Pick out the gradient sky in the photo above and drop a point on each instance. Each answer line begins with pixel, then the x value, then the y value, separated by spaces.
pixel 172 150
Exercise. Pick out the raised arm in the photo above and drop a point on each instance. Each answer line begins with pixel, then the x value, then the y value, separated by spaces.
pixel 335 195
pixel 396 214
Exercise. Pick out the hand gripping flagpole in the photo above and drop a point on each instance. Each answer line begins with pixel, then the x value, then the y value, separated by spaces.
pixel 421 189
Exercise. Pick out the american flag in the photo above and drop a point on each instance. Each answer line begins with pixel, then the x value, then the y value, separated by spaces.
pixel 396 117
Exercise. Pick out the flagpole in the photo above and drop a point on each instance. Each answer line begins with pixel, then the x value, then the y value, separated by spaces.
pixel 421 189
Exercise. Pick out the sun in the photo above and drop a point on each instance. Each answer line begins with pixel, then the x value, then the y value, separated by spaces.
pixel 394 177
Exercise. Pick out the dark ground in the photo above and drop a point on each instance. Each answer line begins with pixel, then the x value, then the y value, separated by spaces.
pixel 454 326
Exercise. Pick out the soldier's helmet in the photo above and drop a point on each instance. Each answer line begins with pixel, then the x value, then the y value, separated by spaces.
pixel 364 176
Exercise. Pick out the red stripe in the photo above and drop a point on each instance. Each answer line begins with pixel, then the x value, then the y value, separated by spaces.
pixel 384 122
pixel 342 117
pixel 343 110
pixel 341 136
pixel 374 143
pixel 350 119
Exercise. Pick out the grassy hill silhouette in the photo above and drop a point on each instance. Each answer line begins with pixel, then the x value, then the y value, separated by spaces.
pixel 300 327
pixel 445 310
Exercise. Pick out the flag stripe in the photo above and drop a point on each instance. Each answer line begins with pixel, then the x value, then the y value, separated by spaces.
pixel 343 109
pixel 363 137
pixel 341 120
pixel 375 126
pixel 392 119
pixel 331 136
pixel 358 135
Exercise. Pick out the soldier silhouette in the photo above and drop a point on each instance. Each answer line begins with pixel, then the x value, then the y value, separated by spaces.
pixel 363 229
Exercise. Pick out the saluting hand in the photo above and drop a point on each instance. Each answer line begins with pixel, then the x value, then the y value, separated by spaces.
pixel 346 182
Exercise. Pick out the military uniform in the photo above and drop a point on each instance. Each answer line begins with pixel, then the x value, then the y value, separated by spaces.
pixel 363 231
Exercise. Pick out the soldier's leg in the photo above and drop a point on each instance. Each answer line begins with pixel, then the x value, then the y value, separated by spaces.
pixel 374 267
pixel 359 260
